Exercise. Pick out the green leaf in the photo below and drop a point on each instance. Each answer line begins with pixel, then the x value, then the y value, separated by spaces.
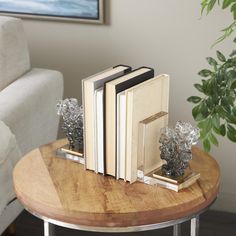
pixel 234 14
pixel 195 111
pixel 231 75
pixel 198 87
pixel 204 4
pixel 233 85
pixel 219 78
pixel 220 111
pixel 204 73
pixel 233 9
pixel 204 86
pixel 204 109
pixel 202 135
pixel 233 53
pixel 211 61
pixel 231 100
pixel 210 5
pixel 213 139
pixel 210 103
pixel 216 121
pixel 231 129
pixel 226 33
pixel 222 130
pixel 199 117
pixel 234 111
pixel 234 50
pixel 231 136
pixel 205 126
pixel 209 87
pixel 215 99
pixel 225 104
pixel 217 131
pixel 194 99
pixel 226 3
pixel 220 56
pixel 208 125
pixel 206 145
pixel 231 118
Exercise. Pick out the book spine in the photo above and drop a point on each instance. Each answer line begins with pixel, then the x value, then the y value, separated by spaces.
pixel 134 81
pixel 126 71
pixel 84 142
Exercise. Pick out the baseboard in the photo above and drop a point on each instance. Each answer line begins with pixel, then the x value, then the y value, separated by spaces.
pixel 225 202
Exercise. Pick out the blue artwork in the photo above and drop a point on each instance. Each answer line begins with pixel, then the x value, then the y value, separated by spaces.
pixel 85 9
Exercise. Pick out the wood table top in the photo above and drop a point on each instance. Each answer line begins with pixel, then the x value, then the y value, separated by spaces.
pixel 62 190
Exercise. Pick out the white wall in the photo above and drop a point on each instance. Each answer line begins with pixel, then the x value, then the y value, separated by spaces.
pixel 166 34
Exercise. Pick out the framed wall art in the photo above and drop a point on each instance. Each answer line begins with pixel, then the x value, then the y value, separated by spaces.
pixel 66 10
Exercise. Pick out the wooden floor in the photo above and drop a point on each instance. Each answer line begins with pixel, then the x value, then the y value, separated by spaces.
pixel 212 223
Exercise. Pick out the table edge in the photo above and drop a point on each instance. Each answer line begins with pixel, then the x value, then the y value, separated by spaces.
pixel 135 228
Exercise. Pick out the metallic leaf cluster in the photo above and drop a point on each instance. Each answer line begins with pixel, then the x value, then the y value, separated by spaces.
pixel 72 114
pixel 176 147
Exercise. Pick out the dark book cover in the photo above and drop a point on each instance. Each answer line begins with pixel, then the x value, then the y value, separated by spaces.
pixel 95 84
pixel 119 88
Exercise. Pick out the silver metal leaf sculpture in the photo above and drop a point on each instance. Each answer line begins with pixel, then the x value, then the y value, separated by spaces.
pixel 72 114
pixel 176 147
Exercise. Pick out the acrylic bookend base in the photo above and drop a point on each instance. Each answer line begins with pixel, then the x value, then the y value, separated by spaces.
pixel 158 178
pixel 70 154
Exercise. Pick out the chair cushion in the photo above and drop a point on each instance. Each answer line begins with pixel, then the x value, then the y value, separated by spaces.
pixel 28 107
pixel 9 155
pixel 14 54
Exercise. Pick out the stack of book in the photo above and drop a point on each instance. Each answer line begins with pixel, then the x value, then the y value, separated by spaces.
pixel 121 106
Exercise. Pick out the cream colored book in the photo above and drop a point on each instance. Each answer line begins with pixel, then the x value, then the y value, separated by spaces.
pixel 142 101
pixel 121 128
pixel 99 130
pixel 149 133
pixel 89 85
pixel 112 88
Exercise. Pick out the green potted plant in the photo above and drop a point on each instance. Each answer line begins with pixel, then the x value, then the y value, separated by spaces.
pixel 215 109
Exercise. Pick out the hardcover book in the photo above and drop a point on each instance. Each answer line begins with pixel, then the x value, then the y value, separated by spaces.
pixel 89 85
pixel 121 135
pixel 112 88
pixel 99 132
pixel 142 101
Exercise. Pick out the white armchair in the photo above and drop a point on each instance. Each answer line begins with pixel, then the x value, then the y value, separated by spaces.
pixel 27 100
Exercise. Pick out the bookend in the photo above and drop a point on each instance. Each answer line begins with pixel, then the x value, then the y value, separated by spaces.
pixel 72 114
pixel 71 154
pixel 150 164
pixel 149 160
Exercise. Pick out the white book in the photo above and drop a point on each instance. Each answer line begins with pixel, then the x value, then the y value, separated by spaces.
pixel 121 132
pixel 89 85
pixel 99 145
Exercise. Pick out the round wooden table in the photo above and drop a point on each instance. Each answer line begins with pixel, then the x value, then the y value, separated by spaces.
pixel 62 193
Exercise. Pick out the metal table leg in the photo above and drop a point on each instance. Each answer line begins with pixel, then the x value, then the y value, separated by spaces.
pixel 177 230
pixel 49 229
pixel 195 226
